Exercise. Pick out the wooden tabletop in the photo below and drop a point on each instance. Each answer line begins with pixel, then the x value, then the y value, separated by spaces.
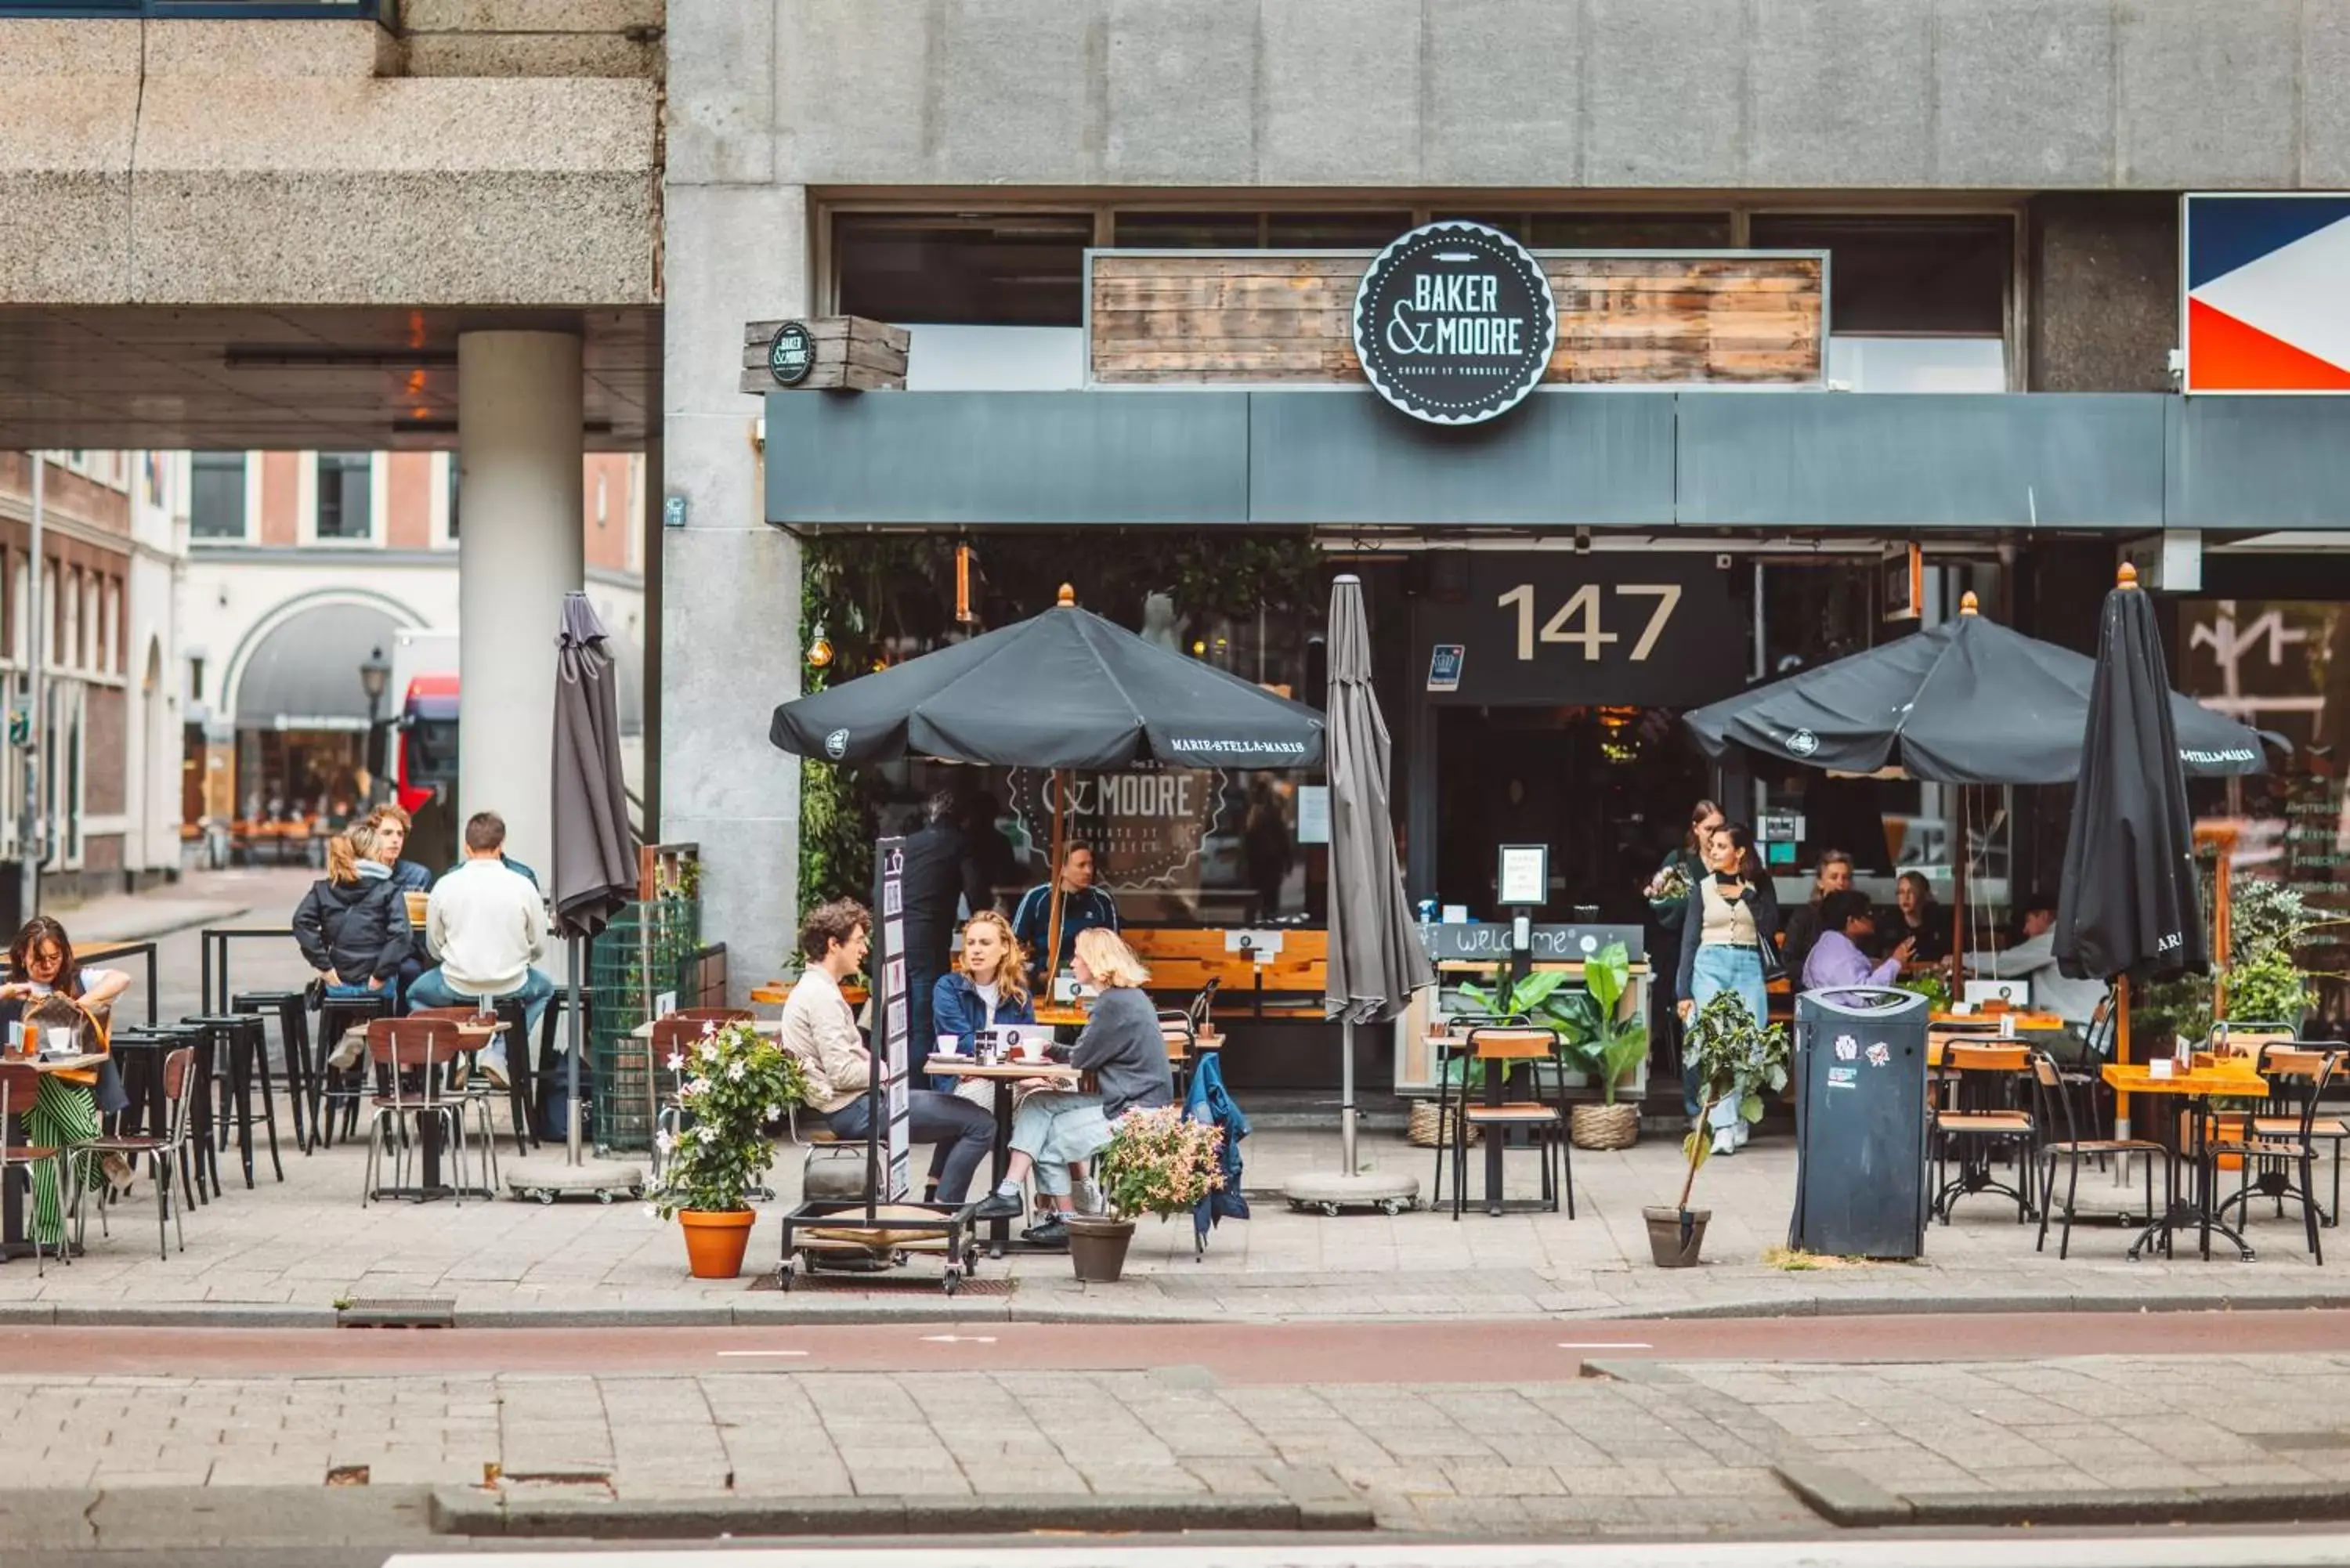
pixel 2237 1078
pixel 764 1025
pixel 776 992
pixel 81 1063
pixel 1003 1072
pixel 1061 1015
pixel 1988 1023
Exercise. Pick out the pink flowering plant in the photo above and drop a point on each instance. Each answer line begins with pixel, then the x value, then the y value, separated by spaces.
pixel 1158 1163
pixel 733 1084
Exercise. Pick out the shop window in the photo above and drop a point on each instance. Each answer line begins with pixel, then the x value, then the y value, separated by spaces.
pixel 1334 231
pixel 1189 231
pixel 1905 277
pixel 1628 231
pixel 1008 270
pixel 345 496
pixel 216 495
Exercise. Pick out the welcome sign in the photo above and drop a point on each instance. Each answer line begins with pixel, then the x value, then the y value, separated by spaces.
pixel 1454 323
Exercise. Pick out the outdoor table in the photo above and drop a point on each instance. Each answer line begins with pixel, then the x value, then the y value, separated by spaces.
pixel 1060 1015
pixel 1000 1231
pixel 2234 1078
pixel 14 1242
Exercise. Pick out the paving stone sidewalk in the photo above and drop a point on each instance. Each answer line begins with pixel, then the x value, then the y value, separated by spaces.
pixel 1687 1448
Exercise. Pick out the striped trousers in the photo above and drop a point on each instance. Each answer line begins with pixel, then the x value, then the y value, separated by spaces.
pixel 63 1115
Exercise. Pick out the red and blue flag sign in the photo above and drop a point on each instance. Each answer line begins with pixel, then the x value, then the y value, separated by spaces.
pixel 2267 306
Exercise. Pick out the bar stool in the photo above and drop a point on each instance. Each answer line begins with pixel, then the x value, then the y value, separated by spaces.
pixel 342 1091
pixel 294 1043
pixel 554 1038
pixel 240 1050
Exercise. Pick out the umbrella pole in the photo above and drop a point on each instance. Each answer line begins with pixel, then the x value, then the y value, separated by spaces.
pixel 1347 1097
pixel 2121 1052
pixel 571 1064
pixel 1052 880
pixel 1959 890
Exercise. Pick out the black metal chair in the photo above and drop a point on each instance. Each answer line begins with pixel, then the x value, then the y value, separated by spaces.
pixel 1984 1121
pixel 2289 1148
pixel 239 1053
pixel 339 1092
pixel 2052 1097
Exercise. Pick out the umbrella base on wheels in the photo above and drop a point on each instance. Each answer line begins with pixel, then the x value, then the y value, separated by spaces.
pixel 550 1177
pixel 1334 1193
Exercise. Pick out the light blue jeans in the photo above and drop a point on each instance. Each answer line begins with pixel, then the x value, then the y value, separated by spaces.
pixel 1720 967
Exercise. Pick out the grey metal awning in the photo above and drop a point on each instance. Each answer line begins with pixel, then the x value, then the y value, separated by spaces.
pixel 305 675
pixel 1779 459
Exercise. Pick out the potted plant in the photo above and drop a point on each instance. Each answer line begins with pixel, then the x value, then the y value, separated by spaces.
pixel 1604 1043
pixel 734 1085
pixel 1155 1162
pixel 1737 1059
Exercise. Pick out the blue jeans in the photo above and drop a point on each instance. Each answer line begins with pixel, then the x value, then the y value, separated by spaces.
pixel 431 989
pixel 965 1132
pixel 1719 968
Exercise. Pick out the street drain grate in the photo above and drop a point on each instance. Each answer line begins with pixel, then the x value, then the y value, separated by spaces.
pixel 895 1284
pixel 397 1312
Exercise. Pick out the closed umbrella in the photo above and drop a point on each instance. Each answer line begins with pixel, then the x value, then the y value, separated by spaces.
pixel 1376 957
pixel 595 872
pixel 2129 910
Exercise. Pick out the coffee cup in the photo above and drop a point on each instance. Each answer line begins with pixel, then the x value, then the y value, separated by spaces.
pixel 1031 1050
pixel 949 1044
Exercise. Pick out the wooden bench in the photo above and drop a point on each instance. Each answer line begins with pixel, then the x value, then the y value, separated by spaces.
pixel 1182 960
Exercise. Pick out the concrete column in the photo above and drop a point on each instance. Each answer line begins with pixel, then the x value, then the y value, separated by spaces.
pixel 519 550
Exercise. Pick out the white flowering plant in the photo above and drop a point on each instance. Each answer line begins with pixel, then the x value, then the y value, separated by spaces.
pixel 733 1083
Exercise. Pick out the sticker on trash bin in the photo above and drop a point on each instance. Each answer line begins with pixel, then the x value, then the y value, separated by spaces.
pixel 1844 1078
pixel 1847 1048
pixel 1880 1054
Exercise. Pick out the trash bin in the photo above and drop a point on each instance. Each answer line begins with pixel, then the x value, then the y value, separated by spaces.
pixel 1860 1123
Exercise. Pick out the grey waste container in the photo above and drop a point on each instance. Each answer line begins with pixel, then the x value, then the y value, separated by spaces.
pixel 1860 1123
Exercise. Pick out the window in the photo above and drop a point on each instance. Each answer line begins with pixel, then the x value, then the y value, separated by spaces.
pixel 1005 270
pixel 346 494
pixel 1334 231
pixel 452 497
pixel 603 502
pixel 216 495
pixel 1905 277
pixel 109 651
pixel 1187 231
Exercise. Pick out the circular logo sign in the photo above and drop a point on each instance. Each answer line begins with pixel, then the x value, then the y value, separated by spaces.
pixel 1454 323
pixel 836 745
pixel 1803 742
pixel 791 354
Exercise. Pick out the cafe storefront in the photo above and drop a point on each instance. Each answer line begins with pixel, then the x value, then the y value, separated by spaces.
pixel 1587 490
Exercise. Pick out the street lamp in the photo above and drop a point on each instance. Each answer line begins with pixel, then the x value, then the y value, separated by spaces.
pixel 374 675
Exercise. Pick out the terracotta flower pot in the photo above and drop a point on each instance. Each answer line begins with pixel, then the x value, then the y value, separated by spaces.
pixel 714 1243
pixel 1098 1247
pixel 1676 1236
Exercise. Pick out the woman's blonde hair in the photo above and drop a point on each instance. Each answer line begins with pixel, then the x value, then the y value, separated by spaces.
pixel 1012 969
pixel 1113 963
pixel 346 849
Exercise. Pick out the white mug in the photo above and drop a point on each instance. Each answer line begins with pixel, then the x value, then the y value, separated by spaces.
pixel 949 1044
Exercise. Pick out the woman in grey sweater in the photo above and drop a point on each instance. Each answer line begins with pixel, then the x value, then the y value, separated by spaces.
pixel 1054 1133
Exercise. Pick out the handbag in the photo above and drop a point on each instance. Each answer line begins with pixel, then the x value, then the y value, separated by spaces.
pixel 85 1034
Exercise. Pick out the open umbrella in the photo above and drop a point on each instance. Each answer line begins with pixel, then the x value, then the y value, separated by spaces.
pixel 2128 909
pixel 595 872
pixel 1968 701
pixel 1375 958
pixel 1065 690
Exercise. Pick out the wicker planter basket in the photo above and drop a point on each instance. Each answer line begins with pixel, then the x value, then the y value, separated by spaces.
pixel 1605 1127
pixel 1426 1130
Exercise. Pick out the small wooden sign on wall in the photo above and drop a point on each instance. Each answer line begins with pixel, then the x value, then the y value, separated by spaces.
pixel 823 353
pixel 1270 317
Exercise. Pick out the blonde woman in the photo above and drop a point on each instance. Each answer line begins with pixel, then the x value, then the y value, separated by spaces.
pixel 1123 1048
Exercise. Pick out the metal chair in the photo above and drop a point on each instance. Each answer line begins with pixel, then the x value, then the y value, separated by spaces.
pixel 239 1051
pixel 2053 1100
pixel 20 1082
pixel 2292 1146
pixel 2327 1127
pixel 1445 1116
pixel 335 1090
pixel 1502 1048
pixel 410 1057
pixel 477 1093
pixel 164 1152
pixel 293 1014
pixel 1984 1120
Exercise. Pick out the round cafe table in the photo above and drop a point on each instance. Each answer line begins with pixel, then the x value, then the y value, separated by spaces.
pixel 1000 1231
pixel 2233 1077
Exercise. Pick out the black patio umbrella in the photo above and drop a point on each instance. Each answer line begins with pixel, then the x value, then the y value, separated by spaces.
pixel 2129 910
pixel 1063 690
pixel 1968 701
pixel 595 871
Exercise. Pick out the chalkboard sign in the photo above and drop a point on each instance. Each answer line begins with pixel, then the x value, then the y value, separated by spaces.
pixel 1490 942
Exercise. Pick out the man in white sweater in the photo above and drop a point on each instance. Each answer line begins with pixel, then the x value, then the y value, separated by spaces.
pixel 488 925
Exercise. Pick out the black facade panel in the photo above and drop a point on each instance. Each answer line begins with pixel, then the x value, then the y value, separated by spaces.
pixel 1558 458
pixel 2259 462
pixel 929 458
pixel 1921 461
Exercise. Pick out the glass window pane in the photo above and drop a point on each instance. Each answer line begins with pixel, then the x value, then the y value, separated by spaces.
pixel 1905 275
pixel 1334 231
pixel 1629 231
pixel 1514 224
pixel 1011 270
pixel 1187 231
pixel 345 496
pixel 452 496
pixel 216 495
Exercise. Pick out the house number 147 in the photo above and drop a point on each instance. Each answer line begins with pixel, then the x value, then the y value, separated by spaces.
pixel 1578 620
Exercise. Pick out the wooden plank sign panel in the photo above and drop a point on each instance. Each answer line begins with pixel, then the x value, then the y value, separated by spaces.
pixel 852 353
pixel 1739 318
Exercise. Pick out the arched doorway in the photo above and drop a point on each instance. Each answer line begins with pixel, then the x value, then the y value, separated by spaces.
pixel 301 713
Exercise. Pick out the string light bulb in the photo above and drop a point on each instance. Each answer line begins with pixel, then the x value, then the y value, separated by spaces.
pixel 820 652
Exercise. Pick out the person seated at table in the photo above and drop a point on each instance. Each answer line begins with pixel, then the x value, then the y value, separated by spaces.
pixel 352 928
pixel 1053 1134
pixel 2035 915
pixel 819 1027
pixel 1924 924
pixel 488 925
pixel 1847 925
pixel 1084 908
pixel 988 987
pixel 2033 961
pixel 66 1110
pixel 393 826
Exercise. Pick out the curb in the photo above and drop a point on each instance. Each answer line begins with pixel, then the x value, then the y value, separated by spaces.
pixel 1852 1502
pixel 464 1511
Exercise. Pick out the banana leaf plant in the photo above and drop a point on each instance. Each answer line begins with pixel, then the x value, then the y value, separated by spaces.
pixel 1530 1000
pixel 1607 1047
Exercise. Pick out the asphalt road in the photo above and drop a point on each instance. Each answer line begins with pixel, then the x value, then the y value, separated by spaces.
pixel 1239 1354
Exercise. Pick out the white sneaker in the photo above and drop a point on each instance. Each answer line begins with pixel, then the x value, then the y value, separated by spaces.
pixel 347 1051
pixel 1088 1198
pixel 1740 1131
pixel 1725 1142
